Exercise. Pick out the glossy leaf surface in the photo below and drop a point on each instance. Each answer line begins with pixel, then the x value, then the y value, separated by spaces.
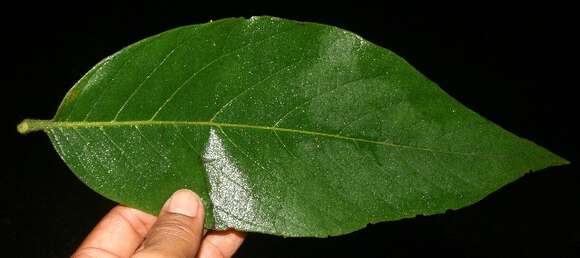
pixel 283 127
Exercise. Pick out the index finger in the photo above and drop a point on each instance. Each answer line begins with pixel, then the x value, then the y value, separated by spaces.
pixel 118 234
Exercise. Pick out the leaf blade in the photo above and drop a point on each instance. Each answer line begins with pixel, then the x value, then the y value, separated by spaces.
pixel 274 109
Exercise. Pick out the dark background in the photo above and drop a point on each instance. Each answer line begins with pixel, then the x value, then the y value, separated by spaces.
pixel 514 66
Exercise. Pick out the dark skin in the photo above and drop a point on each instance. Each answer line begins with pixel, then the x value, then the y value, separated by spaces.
pixel 176 232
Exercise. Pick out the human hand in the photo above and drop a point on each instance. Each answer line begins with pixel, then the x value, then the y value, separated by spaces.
pixel 177 232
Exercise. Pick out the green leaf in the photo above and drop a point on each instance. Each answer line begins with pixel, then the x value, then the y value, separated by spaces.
pixel 282 127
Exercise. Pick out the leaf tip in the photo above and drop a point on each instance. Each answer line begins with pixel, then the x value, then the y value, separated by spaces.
pixel 563 162
pixel 558 160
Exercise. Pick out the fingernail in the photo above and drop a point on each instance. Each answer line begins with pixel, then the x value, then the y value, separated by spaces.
pixel 184 202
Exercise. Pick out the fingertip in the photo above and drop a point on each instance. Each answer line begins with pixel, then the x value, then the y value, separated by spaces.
pixel 178 229
pixel 184 202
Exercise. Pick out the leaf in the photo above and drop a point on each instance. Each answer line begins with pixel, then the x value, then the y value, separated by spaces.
pixel 282 127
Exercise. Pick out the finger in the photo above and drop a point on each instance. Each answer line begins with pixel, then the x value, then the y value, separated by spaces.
pixel 222 244
pixel 118 234
pixel 178 230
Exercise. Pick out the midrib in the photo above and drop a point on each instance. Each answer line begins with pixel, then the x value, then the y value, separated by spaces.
pixel 30 125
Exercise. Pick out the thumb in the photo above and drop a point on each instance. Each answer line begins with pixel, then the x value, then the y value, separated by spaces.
pixel 178 230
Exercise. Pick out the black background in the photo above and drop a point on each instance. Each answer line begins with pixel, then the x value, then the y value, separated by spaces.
pixel 514 66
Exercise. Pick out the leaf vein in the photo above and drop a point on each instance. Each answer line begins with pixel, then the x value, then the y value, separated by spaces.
pixel 318 208
pixel 320 95
pixel 145 80
pixel 262 167
pixel 151 145
pixel 108 137
pixel 170 98
pixel 224 106
pixel 186 141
